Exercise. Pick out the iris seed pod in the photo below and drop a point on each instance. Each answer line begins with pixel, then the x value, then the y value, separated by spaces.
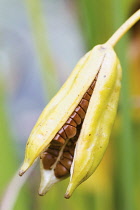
pixel 98 75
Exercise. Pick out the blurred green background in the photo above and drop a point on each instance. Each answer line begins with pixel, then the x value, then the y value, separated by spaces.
pixel 40 43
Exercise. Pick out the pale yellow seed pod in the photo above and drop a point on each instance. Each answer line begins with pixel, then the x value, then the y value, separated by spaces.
pixel 97 124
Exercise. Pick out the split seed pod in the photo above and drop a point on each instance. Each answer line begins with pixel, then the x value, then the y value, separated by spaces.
pixel 72 133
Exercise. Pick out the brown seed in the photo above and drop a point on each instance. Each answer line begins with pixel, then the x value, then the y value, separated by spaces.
pixel 70 121
pixel 86 96
pixel 56 147
pixel 84 104
pixel 96 77
pixel 69 143
pixel 66 163
pixel 90 91
pixel 67 155
pixel 76 118
pixel 74 139
pixel 66 149
pixel 43 154
pixel 70 131
pixel 56 143
pixel 59 139
pixel 48 161
pixel 93 84
pixel 80 111
pixel 71 150
pixel 62 133
pixel 60 170
pixel 53 152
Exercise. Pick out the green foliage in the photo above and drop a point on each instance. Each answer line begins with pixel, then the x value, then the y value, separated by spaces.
pixel 98 20
pixel 7 151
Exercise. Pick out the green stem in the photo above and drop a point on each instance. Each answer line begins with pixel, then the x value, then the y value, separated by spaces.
pixel 124 176
pixel 124 28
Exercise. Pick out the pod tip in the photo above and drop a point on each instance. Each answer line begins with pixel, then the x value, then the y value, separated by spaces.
pixel 41 194
pixel 70 190
pixel 67 196
pixel 24 168
pixel 21 172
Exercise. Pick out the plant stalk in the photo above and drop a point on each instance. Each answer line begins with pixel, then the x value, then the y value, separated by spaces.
pixel 123 29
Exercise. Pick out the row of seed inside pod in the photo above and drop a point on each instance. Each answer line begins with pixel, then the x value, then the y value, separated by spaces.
pixel 65 139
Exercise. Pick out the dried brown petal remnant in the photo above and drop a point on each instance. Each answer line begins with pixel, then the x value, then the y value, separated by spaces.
pixel 59 155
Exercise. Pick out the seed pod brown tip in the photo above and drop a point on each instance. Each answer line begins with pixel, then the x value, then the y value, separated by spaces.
pixel 67 196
